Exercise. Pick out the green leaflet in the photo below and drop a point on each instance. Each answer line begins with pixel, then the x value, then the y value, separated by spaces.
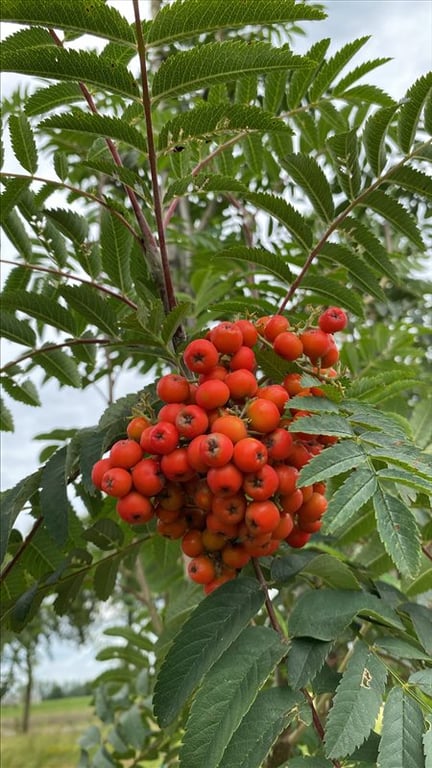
pixel 25 392
pixel 306 656
pixel 53 498
pixel 58 364
pixel 180 20
pixel 300 80
pixel 18 331
pixel 226 694
pixel 396 214
pixel 8 199
pixel 369 247
pixel 60 64
pixel 209 631
pixel 402 729
pixel 331 68
pixel 398 532
pixel 375 136
pixel 286 214
pixel 6 418
pixel 356 704
pixel 412 180
pixel 356 73
pixel 325 613
pixel 269 261
pixel 328 424
pixel 410 111
pixel 223 62
pixel 271 712
pixel 70 223
pixel 349 498
pixel 306 172
pixel 99 125
pixel 87 302
pixel 37 306
pixel 23 142
pixel 333 461
pixel 45 99
pixel 116 246
pixel 344 149
pixel 96 19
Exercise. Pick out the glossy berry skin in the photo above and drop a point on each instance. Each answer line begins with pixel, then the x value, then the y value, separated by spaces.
pixel 116 481
pixel 243 358
pixel 201 356
pixel 98 471
pixel 278 444
pixel 315 343
pixel 241 383
pixel 216 449
pixel 173 388
pixel 288 345
pixel 230 425
pixel 191 420
pixel 147 477
pixel 175 466
pixel 261 485
pixel 135 509
pixel 274 326
pixel 136 426
pixel 332 320
pixel 250 454
pixel 262 516
pixel 249 332
pixel 212 394
pixel 276 393
pixel 162 437
pixel 227 337
pixel 226 480
pixel 125 453
pixel 263 415
pixel 201 569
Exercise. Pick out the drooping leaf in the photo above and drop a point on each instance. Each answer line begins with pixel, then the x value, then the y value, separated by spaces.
pixel 79 121
pixel 402 729
pixel 411 109
pixel 174 319
pixel 370 246
pixel 59 365
pixel 219 62
pixel 71 224
pixel 17 330
pixel 85 300
pixel 344 149
pixel 349 498
pixel 413 180
pixel 23 142
pixel 270 714
pixel 61 64
pixel 395 213
pixel 24 392
pixel 179 20
pixel 301 79
pixel 14 188
pixel 209 631
pixel 97 18
pixel 227 693
pixel 6 418
pixel 356 704
pixel 104 580
pixel 53 497
pixel 398 532
pixel 12 502
pixel 306 172
pixel 333 461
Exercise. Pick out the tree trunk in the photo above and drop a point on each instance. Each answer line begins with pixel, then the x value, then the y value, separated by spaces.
pixel 28 690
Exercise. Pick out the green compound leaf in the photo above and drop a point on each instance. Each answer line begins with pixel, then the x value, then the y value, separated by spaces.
pixel 116 245
pixel 398 532
pixel 356 704
pixel 40 308
pixel 375 135
pixel 17 330
pixel 210 630
pixel 325 613
pixel 332 461
pixel 331 68
pixel 23 142
pixel 180 20
pixel 322 425
pixel 53 498
pixel 12 502
pixel 97 125
pixel 226 694
pixel 401 735
pixel 306 656
pixel 86 301
pixel 270 714
pixel 223 62
pixel 286 214
pixel 45 99
pixel 333 293
pixel 59 365
pixel 81 16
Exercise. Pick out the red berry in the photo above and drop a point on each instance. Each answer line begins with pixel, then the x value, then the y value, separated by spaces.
pixel 332 320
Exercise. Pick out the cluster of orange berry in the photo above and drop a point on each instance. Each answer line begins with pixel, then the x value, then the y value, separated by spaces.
pixel 217 466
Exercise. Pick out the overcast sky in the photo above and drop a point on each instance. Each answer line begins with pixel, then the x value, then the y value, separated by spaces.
pixel 401 29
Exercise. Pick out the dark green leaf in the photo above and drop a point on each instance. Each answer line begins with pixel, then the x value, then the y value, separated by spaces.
pixel 9 198
pixel 227 693
pixel 105 577
pixel 398 532
pixel 421 618
pixel 332 572
pixel 116 245
pixel 174 319
pixel 401 735
pixel 305 658
pixel 209 631
pixel 59 365
pixel 37 306
pixel 333 293
pixel 327 424
pixel 18 331
pixel 53 497
pixel 331 68
pixel 344 150
pixel 358 268
pixel 23 142
pixel 220 62
pixel 6 418
pixel 12 502
pixel 270 714
pixel 100 125
pixel 45 99
pixel 270 262
pixel 413 180
pixel 105 534
pixel 325 613
pixel 369 247
pixel 374 137
pixel 402 649
pixel 404 477
pixel 25 392
pixel 286 214
pixel 70 223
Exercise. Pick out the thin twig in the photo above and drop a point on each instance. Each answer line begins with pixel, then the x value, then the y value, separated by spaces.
pixel 10 565
pixel 268 603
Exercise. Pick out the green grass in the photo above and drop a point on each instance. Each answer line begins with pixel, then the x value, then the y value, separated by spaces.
pixel 52 742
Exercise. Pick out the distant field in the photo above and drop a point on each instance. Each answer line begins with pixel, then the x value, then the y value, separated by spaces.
pixel 52 742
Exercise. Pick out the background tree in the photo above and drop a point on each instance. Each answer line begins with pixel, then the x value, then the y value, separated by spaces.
pixel 219 175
